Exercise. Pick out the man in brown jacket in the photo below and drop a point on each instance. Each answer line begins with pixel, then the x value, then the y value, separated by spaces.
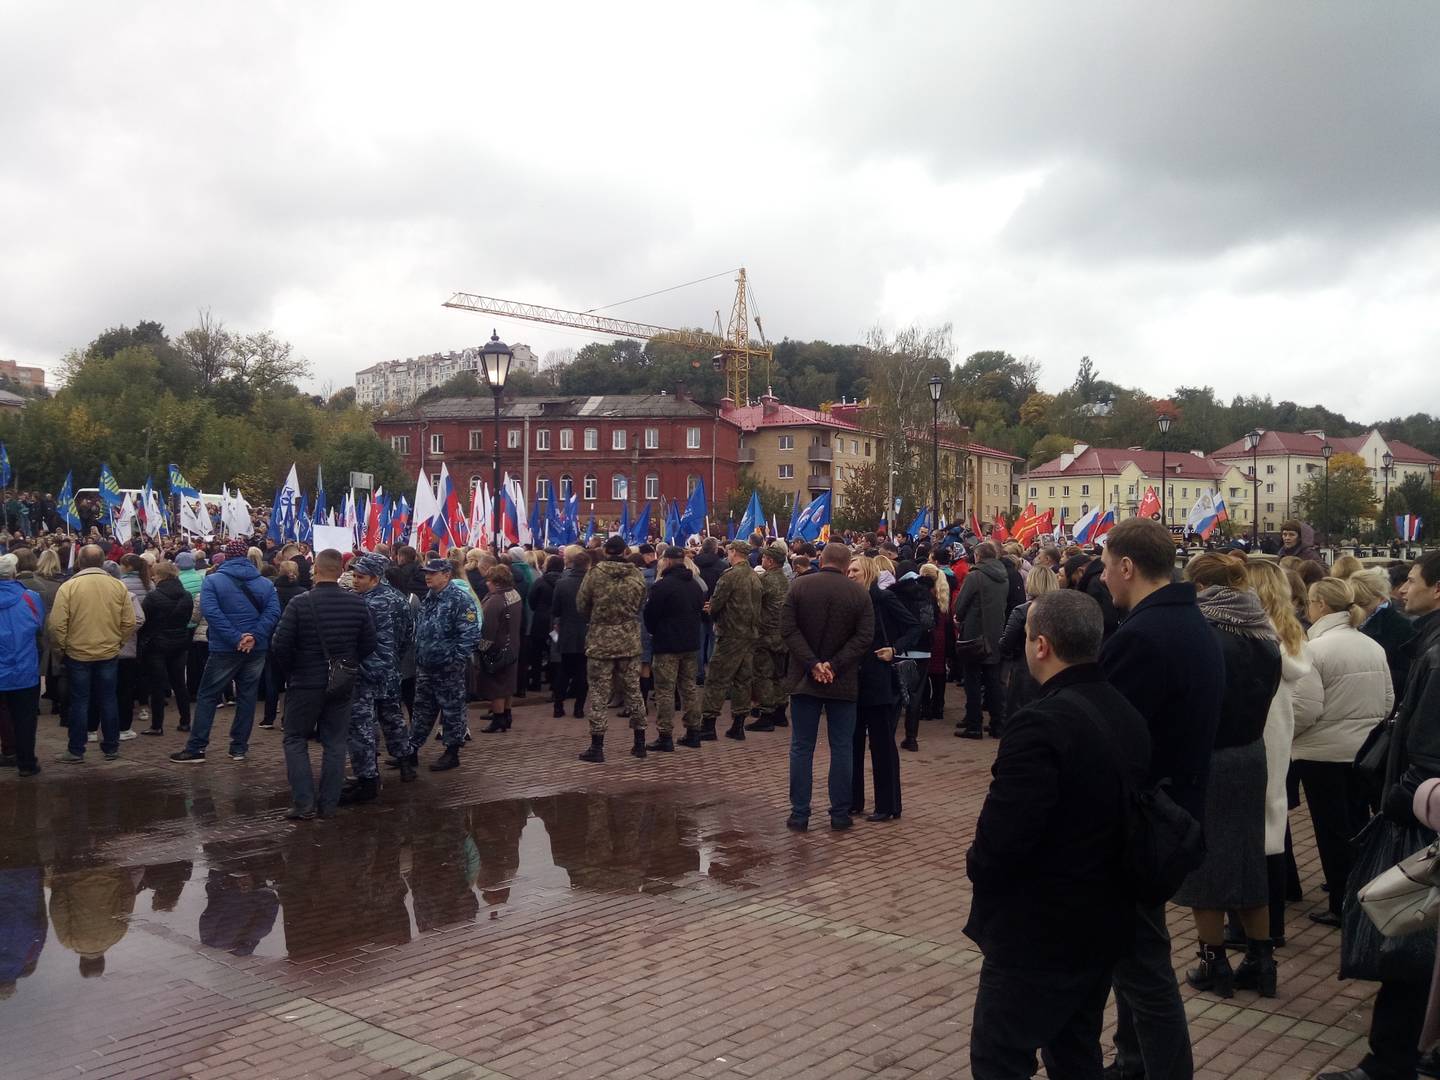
pixel 827 624
pixel 92 618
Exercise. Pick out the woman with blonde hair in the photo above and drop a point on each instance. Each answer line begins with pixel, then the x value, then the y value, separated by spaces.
pixel 1299 696
pixel 1022 687
pixel 1345 567
pixel 1383 624
pixel 939 642
pixel 1356 695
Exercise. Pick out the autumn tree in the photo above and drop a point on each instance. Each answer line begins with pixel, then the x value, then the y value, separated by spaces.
pixel 1349 502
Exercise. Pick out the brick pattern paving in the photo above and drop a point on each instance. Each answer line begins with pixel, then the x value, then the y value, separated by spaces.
pixel 672 927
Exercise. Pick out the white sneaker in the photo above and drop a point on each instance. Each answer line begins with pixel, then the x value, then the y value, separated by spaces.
pixel 94 736
pixel 125 736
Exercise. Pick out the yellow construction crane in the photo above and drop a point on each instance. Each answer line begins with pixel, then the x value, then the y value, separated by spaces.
pixel 733 352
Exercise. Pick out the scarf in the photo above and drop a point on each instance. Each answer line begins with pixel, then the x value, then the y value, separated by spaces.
pixel 1236 612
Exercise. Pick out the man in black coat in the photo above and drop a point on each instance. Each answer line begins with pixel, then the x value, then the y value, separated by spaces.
pixel 300 654
pixel 1051 907
pixel 1165 660
pixel 571 624
pixel 980 614
pixel 1092 584
pixel 673 616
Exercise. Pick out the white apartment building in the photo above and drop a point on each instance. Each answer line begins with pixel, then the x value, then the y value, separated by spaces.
pixel 400 382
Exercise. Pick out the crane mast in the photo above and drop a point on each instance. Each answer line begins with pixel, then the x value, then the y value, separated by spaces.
pixel 734 351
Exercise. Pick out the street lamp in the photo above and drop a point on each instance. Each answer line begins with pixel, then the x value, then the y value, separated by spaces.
pixel 495 361
pixel 1163 422
pixel 1252 443
pixel 1387 459
pixel 935 385
pixel 1327 452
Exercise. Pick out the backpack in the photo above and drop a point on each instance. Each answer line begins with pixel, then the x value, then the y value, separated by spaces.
pixel 1161 841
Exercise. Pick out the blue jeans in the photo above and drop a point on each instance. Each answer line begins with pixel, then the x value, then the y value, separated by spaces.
pixel 221 668
pixel 97 678
pixel 839 733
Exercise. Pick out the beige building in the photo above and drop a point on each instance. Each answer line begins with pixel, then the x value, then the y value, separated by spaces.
pixel 801 452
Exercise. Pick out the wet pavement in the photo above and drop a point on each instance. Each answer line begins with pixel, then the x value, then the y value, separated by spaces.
pixel 529 916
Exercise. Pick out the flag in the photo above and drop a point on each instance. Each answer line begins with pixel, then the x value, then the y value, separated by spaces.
pixel 521 533
pixel 572 520
pixel 1085 527
pixel 125 521
pixel 482 528
pixel 730 528
pixel 537 527
pixel 422 512
pixel 1060 527
pixel 1150 504
pixel 922 521
pixel 152 518
pixel 235 514
pixel 624 529
pixel 794 518
pixel 672 523
pixel 1408 526
pixel 4 466
pixel 814 520
pixel 508 525
pixel 373 522
pixel 1106 523
pixel 180 486
pixel 304 522
pixel 289 498
pixel 640 531
pixel 754 516
pixel 590 529
pixel 999 530
pixel 695 518
pixel 1045 523
pixel 1222 512
pixel 110 489
pixel 194 519
pixel 975 524
pixel 400 521
pixel 1202 518
pixel 65 504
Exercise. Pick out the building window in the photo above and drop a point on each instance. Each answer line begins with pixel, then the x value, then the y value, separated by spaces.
pixel 619 489
pixel 691 483
pixel 567 439
pixel 1085 490
pixel 475 482
pixel 1269 470
pixel 435 484
pixel 400 444
pixel 592 439
pixel 787 472
pixel 1052 491
pixel 692 438
pixel 1269 508
pixel 477 439
pixel 1269 489
pixel 567 485
pixel 652 438
pixel 592 488
pixel 1032 493
pixel 1064 491
pixel 542 439
pixel 437 443
pixel 652 485
pixel 542 489
pixel 512 438
pixel 617 440
pixel 787 442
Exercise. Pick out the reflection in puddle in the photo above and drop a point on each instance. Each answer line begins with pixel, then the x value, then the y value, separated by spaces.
pixel 320 892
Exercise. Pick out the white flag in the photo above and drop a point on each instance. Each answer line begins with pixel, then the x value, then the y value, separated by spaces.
pixel 423 509
pixel 194 519
pixel 522 514
pixel 125 520
pixel 235 514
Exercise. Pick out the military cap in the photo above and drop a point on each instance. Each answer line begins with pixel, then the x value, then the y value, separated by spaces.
pixel 372 564
pixel 434 566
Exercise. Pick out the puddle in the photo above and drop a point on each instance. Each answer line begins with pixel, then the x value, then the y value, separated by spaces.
pixel 369 879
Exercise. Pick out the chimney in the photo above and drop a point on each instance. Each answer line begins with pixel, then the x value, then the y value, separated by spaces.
pixel 1080 448
pixel 769 403
pixel 682 392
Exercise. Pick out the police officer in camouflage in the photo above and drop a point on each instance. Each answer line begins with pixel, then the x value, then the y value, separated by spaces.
pixel 735 609
pixel 769 661
pixel 611 596
pixel 447 630
pixel 378 688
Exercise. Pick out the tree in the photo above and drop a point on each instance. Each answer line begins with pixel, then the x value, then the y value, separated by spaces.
pixel 462 384
pixel 1049 448
pixel 1351 497
pixel 205 348
pixel 772 501
pixel 264 362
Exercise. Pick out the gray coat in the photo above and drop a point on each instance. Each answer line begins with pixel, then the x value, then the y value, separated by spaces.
pixel 980 610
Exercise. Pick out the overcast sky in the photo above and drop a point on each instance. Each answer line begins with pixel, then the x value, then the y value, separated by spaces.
pixel 1240 194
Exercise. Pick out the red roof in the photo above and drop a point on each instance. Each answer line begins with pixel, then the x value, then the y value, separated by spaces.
pixel 1299 442
pixel 1099 461
pixel 755 417
pixel 1406 452
pixel 990 451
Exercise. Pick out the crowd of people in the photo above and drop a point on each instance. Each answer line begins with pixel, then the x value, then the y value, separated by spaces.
pixel 1234 683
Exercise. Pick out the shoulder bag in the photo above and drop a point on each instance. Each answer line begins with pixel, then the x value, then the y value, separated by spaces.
pixel 498 656
pixel 905 673
pixel 341 672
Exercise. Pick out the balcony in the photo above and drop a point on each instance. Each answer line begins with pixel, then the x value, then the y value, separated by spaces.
pixel 745 455
pixel 819 453
pixel 816 482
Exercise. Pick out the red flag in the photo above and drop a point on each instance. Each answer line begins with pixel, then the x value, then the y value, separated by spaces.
pixel 372 523
pixel 999 530
pixel 975 524
pixel 1150 504
pixel 1045 523
pixel 1027 525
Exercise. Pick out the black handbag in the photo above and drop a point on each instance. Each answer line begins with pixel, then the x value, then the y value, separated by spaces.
pixel 341 672
pixel 973 649
pixel 1372 759
pixel 1365 953
pixel 498 657
pixel 905 673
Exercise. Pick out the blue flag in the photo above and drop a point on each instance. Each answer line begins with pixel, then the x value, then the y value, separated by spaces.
pixel 730 528
pixel 180 486
pixel 794 518
pixel 754 517
pixel 693 520
pixel 4 466
pixel 277 518
pixel 814 518
pixel 625 521
pixel 66 504
pixel 304 523
pixel 640 531
pixel 571 520
pixel 109 488
pixel 536 528
pixel 590 529
pixel 922 520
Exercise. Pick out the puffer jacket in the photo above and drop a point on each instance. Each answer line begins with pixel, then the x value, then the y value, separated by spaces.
pixel 237 601
pixel 1299 696
pixel 22 619
pixel 168 608
pixel 138 593
pixel 1355 677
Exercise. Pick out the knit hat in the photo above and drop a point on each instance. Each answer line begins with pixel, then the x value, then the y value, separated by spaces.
pixel 237 549
pixel 111 567
pixel 8 564
pixel 216 559
pixel 615 545
pixel 185 560
pixel 372 564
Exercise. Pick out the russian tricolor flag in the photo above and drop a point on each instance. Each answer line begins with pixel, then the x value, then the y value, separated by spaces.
pixel 1094 525
pixel 1407 527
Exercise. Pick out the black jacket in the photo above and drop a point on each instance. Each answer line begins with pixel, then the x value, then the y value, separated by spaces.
pixel 1415 746
pixel 710 567
pixel 1393 632
pixel 1016 596
pixel 673 612
pixel 408 578
pixel 896 628
pixel 1092 585
pixel 1046 857
pixel 349 634
pixel 1022 687
pixel 1164 658
pixel 542 597
pixel 288 589
pixel 568 618
pixel 1252 675
pixel 167 609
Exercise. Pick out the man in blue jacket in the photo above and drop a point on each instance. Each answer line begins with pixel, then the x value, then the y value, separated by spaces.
pixel 22 617
pixel 242 610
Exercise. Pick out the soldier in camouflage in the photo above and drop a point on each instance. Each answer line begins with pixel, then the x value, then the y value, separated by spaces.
pixel 735 609
pixel 378 688
pixel 611 596
pixel 447 630
pixel 770 656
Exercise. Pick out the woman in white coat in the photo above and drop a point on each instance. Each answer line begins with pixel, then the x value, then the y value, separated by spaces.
pixel 1297 701
pixel 1355 678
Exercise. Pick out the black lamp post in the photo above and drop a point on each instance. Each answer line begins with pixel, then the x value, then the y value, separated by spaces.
pixel 1327 452
pixel 1387 460
pixel 1163 422
pixel 935 385
pixel 495 362
pixel 1252 443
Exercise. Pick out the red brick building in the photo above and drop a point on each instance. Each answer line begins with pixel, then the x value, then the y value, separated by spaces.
pixel 608 449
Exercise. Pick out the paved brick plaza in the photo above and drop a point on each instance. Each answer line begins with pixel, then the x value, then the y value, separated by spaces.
pixel 532 917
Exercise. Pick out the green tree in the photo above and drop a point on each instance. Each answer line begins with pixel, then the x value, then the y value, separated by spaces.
pixel 1350 501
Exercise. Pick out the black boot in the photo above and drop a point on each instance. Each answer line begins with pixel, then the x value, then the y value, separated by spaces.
pixel 446 761
pixel 1257 971
pixel 366 789
pixel 580 708
pixel 509 719
pixel 1213 974
pixel 596 751
pixel 737 729
pixel 707 729
pixel 778 718
pixel 559 710
pixel 497 723
pixel 691 738
pixel 663 743
pixel 766 722
pixel 407 768
pixel 637 748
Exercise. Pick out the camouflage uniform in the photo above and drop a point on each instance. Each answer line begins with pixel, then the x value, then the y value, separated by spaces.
pixel 447 630
pixel 770 653
pixel 611 596
pixel 735 609
pixel 672 669
pixel 379 684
